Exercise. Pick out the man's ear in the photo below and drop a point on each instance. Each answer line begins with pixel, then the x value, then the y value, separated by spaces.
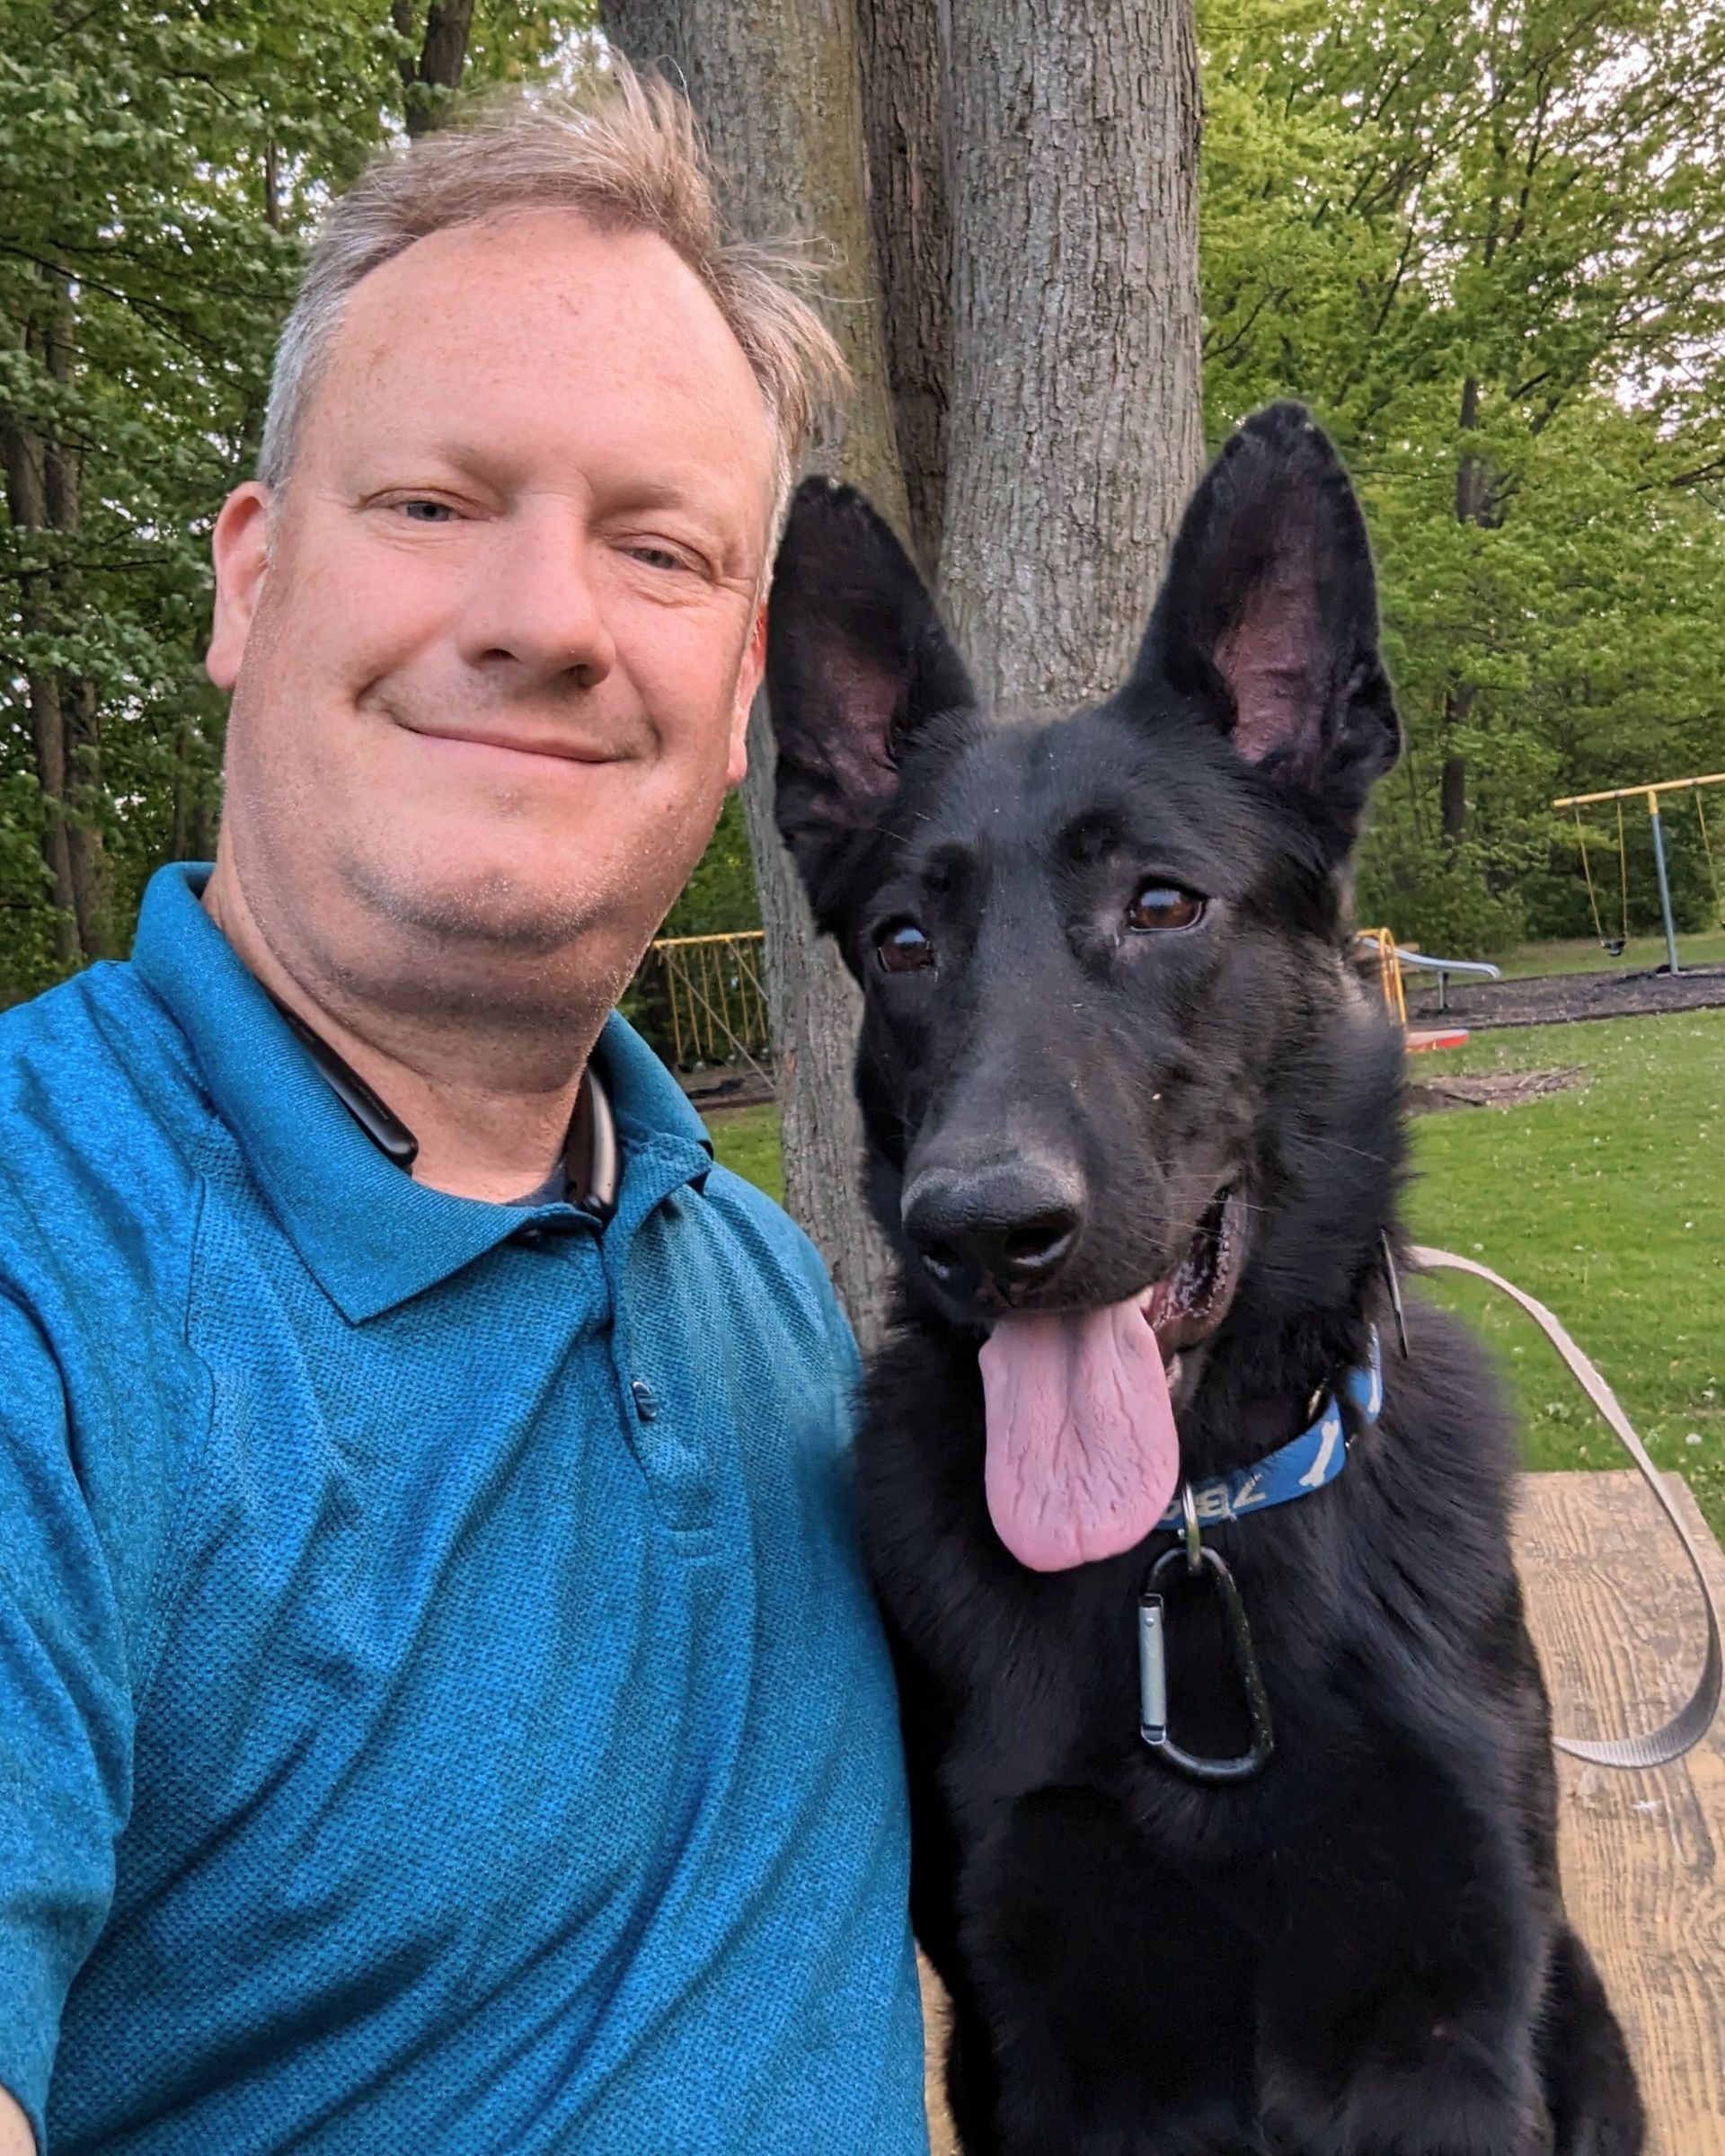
pixel 1267 619
pixel 749 679
pixel 857 661
pixel 240 548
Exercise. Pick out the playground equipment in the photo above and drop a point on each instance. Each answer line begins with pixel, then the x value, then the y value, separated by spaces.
pixel 1576 802
pixel 715 999
pixel 1392 957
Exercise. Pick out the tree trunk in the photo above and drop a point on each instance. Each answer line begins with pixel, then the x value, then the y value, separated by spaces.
pixel 1452 784
pixel 777 88
pixel 26 501
pixel 271 182
pixel 88 863
pixel 1474 505
pixel 904 127
pixel 197 782
pixel 1076 431
pixel 1034 204
pixel 43 478
pixel 1472 477
pixel 443 54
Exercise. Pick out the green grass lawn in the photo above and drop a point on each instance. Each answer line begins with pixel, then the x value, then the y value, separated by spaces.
pixel 1604 1202
pixel 1641 955
pixel 747 1140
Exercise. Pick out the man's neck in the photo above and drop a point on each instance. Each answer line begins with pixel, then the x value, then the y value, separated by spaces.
pixel 489 1104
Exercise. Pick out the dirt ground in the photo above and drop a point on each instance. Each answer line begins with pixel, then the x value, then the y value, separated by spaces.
pixel 1554 999
pixel 1491 1088
pixel 727 1085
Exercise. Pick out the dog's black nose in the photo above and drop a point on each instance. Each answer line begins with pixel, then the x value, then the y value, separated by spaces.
pixel 1007 1225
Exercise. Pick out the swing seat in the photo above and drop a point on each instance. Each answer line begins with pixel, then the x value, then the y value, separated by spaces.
pixel 1615 949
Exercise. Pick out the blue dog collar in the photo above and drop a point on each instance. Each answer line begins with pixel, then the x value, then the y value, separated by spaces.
pixel 1294 1469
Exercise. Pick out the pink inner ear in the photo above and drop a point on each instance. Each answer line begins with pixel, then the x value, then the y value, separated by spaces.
pixel 859 752
pixel 1269 660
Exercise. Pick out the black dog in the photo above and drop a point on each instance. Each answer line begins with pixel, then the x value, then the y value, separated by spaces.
pixel 1135 1130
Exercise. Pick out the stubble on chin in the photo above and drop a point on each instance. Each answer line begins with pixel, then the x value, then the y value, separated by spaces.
pixel 505 935
pixel 485 913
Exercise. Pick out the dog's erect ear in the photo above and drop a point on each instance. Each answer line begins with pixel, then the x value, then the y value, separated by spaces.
pixel 856 661
pixel 1268 616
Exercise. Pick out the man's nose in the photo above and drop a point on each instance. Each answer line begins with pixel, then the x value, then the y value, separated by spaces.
pixel 1008 1225
pixel 537 607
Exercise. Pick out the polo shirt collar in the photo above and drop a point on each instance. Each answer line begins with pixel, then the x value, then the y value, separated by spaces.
pixel 368 1234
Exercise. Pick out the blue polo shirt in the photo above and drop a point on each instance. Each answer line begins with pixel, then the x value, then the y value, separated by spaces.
pixel 440 1708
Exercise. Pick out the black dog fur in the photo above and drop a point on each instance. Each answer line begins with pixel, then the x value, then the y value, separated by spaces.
pixel 1361 1951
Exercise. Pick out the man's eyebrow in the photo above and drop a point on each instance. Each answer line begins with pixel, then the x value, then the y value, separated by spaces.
pixel 459 453
pixel 484 459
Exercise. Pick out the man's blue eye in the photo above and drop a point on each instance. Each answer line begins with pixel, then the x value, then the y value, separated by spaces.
pixel 427 512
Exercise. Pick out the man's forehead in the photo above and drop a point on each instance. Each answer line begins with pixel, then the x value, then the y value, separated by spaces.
pixel 558 250
pixel 534 312
pixel 553 272
pixel 620 301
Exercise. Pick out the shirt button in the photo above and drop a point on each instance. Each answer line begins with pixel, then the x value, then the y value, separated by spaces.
pixel 646 1405
pixel 533 1236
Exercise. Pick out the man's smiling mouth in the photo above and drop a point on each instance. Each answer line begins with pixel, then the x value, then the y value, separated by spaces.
pixel 543 743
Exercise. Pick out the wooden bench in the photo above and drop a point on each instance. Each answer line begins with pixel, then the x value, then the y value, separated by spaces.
pixel 1619 1627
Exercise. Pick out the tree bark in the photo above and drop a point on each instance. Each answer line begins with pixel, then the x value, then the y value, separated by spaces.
pixel 1452 782
pixel 443 55
pixel 1028 380
pixel 25 455
pixel 271 183
pixel 904 127
pixel 1076 431
pixel 777 88
pixel 196 784
pixel 43 483
pixel 1474 504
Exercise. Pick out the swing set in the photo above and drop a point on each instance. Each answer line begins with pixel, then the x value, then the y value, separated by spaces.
pixel 1614 946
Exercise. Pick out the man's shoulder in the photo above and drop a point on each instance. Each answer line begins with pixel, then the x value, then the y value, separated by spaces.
pixel 768 1231
pixel 784 1262
pixel 101 1119
pixel 93 1028
pixel 100 1103
pixel 760 1238
pixel 749 1207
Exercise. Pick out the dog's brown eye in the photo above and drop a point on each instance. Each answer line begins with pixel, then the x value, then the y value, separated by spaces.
pixel 1164 905
pixel 901 947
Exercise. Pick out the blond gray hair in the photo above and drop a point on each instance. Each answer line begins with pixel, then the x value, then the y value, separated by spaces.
pixel 622 149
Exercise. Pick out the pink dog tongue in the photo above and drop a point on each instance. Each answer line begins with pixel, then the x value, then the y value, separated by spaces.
pixel 1083 1453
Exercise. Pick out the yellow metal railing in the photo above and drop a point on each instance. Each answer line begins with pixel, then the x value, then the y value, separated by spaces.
pixel 714 1002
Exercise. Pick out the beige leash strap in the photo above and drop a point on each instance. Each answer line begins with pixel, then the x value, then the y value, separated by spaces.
pixel 1690 1724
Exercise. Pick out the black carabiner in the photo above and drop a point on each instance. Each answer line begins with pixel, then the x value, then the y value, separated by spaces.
pixel 1152 1673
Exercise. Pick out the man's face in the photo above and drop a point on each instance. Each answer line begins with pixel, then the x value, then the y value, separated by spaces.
pixel 492 678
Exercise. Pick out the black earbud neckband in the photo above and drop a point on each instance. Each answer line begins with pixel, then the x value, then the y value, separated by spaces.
pixel 592 1129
